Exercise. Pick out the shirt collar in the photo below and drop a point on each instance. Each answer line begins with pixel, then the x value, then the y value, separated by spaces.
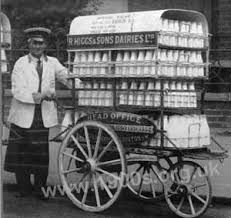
pixel 31 58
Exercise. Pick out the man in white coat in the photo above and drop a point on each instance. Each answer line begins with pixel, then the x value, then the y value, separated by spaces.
pixel 32 112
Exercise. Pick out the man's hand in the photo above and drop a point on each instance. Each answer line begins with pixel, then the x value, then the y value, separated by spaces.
pixel 48 95
pixel 37 97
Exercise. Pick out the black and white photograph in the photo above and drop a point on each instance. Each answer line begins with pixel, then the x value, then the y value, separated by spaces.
pixel 115 108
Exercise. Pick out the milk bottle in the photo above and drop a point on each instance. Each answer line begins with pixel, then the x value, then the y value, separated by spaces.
pixel 153 63
pixel 140 94
pixel 96 70
pixel 83 60
pixel 179 96
pixel 123 99
pixel 105 61
pixel 157 94
pixel 133 68
pixel 148 58
pixel 149 94
pixel 184 94
pixel 205 131
pixel 166 92
pixel 101 97
pixel 77 59
pixel 81 94
pixel 141 57
pixel 125 69
pixel 172 94
pixel 165 24
pixel 132 97
pixel 176 26
pixel 88 93
pixel 90 61
pixel 109 95
pixel 119 59
pixel 94 97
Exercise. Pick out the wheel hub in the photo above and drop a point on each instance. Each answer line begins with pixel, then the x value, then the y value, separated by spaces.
pixel 183 190
pixel 91 164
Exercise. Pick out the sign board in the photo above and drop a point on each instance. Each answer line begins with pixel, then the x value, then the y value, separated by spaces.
pixel 113 40
pixel 130 128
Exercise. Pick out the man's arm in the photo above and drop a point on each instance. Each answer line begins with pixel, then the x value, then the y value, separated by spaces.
pixel 61 73
pixel 19 88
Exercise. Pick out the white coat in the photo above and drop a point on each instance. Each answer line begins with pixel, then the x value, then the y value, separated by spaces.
pixel 25 81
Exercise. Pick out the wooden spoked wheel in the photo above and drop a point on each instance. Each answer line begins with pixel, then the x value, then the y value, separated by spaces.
pixel 92 166
pixel 188 189
pixel 144 181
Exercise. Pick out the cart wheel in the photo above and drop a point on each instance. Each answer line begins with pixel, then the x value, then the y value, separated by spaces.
pixel 144 182
pixel 188 190
pixel 90 157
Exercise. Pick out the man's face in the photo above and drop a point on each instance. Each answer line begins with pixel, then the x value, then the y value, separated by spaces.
pixel 37 47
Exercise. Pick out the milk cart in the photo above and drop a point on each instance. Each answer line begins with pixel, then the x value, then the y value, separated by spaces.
pixel 135 117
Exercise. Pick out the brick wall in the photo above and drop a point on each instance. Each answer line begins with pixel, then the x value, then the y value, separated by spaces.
pixel 216 11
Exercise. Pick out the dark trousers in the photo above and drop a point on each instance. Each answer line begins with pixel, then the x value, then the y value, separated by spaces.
pixel 29 155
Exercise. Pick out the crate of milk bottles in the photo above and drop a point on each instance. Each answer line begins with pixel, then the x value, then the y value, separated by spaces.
pixel 124 61
pixel 193 132
pixel 177 93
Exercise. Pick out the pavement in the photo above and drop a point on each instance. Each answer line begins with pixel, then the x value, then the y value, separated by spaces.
pixel 125 207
